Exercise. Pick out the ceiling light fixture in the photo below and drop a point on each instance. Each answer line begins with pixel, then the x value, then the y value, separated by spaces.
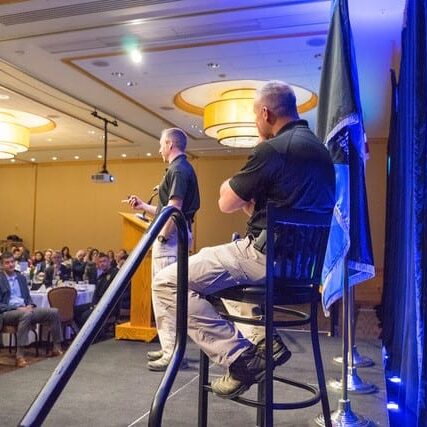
pixel 16 128
pixel 135 56
pixel 227 109
pixel 213 65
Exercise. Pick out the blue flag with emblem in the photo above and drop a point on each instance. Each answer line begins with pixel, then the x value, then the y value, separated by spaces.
pixel 340 127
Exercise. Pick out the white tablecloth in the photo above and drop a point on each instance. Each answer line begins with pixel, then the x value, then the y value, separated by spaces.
pixel 84 296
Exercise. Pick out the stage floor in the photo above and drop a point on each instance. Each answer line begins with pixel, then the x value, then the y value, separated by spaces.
pixel 113 387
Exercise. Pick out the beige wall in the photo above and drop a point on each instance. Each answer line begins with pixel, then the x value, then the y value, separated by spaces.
pixel 51 205
pixel 66 208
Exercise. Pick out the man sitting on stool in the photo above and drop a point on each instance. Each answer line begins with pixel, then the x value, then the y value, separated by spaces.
pixel 18 309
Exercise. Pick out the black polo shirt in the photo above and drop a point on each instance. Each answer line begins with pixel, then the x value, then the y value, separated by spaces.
pixel 294 168
pixel 180 181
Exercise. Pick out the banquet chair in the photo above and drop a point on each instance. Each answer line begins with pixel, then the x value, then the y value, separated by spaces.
pixel 63 298
pixel 12 330
pixel 295 246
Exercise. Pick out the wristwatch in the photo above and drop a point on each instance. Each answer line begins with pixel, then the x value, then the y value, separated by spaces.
pixel 162 239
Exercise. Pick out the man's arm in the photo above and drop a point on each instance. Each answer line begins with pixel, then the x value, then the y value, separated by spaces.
pixel 170 225
pixel 230 202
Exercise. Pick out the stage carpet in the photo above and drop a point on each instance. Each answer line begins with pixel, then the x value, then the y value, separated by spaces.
pixel 113 387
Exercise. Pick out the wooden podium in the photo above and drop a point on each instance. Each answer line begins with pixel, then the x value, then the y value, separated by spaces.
pixel 140 327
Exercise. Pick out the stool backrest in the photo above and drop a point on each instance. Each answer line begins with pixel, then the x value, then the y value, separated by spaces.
pixel 296 245
pixel 63 298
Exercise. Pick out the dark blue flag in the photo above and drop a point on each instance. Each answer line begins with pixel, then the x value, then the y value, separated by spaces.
pixel 340 127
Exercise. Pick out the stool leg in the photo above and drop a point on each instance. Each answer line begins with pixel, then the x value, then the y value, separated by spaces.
pixel 319 366
pixel 203 393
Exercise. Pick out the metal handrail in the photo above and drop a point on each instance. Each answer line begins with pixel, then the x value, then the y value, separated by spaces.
pixel 43 403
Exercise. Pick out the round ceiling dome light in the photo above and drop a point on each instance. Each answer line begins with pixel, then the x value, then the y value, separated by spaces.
pixel 227 109
pixel 16 128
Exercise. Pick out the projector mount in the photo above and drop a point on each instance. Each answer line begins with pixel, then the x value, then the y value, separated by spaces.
pixel 106 123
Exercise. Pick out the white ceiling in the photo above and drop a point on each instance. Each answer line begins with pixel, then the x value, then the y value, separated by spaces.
pixel 58 59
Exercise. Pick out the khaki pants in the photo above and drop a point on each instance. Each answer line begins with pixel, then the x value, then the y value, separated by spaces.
pixel 210 270
pixel 164 254
pixel 25 319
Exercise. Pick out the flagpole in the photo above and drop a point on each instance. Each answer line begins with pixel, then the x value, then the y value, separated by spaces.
pixel 354 383
pixel 344 416
pixel 358 360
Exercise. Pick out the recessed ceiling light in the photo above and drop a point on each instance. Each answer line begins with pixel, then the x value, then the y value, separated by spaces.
pixel 49 140
pixel 33 159
pixel 92 132
pixel 3 96
pixel 54 158
pixel 12 160
pixel 77 157
pixel 117 74
pixel 135 56
pixel 149 154
pixel 99 156
pixel 100 63
pixel 316 41
pixel 130 84
pixel 213 65
pixel 124 155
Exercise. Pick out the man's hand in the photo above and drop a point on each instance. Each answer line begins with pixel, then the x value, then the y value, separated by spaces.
pixel 136 203
pixel 248 209
pixel 26 308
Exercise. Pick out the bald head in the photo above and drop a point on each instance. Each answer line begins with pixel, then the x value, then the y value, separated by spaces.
pixel 279 98
pixel 274 107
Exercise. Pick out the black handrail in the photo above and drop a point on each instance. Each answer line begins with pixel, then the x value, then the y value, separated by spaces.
pixel 50 392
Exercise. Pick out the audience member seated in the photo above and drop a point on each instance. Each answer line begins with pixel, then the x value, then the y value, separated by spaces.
pixel 120 254
pixel 90 273
pixel 78 266
pixel 57 271
pixel 37 270
pixel 112 257
pixel 17 308
pixel 106 274
pixel 48 256
pixel 67 259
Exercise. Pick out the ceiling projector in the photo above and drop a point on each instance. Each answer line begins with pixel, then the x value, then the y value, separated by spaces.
pixel 103 177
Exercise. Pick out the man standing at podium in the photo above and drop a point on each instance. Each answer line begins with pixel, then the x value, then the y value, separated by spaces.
pixel 179 188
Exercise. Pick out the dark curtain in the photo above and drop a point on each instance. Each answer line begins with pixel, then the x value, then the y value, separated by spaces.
pixel 405 266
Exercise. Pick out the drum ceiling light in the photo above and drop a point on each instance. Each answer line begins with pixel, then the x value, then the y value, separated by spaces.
pixel 227 109
pixel 16 128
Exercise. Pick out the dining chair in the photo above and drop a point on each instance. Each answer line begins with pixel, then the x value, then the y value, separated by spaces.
pixel 63 298
pixel 12 330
